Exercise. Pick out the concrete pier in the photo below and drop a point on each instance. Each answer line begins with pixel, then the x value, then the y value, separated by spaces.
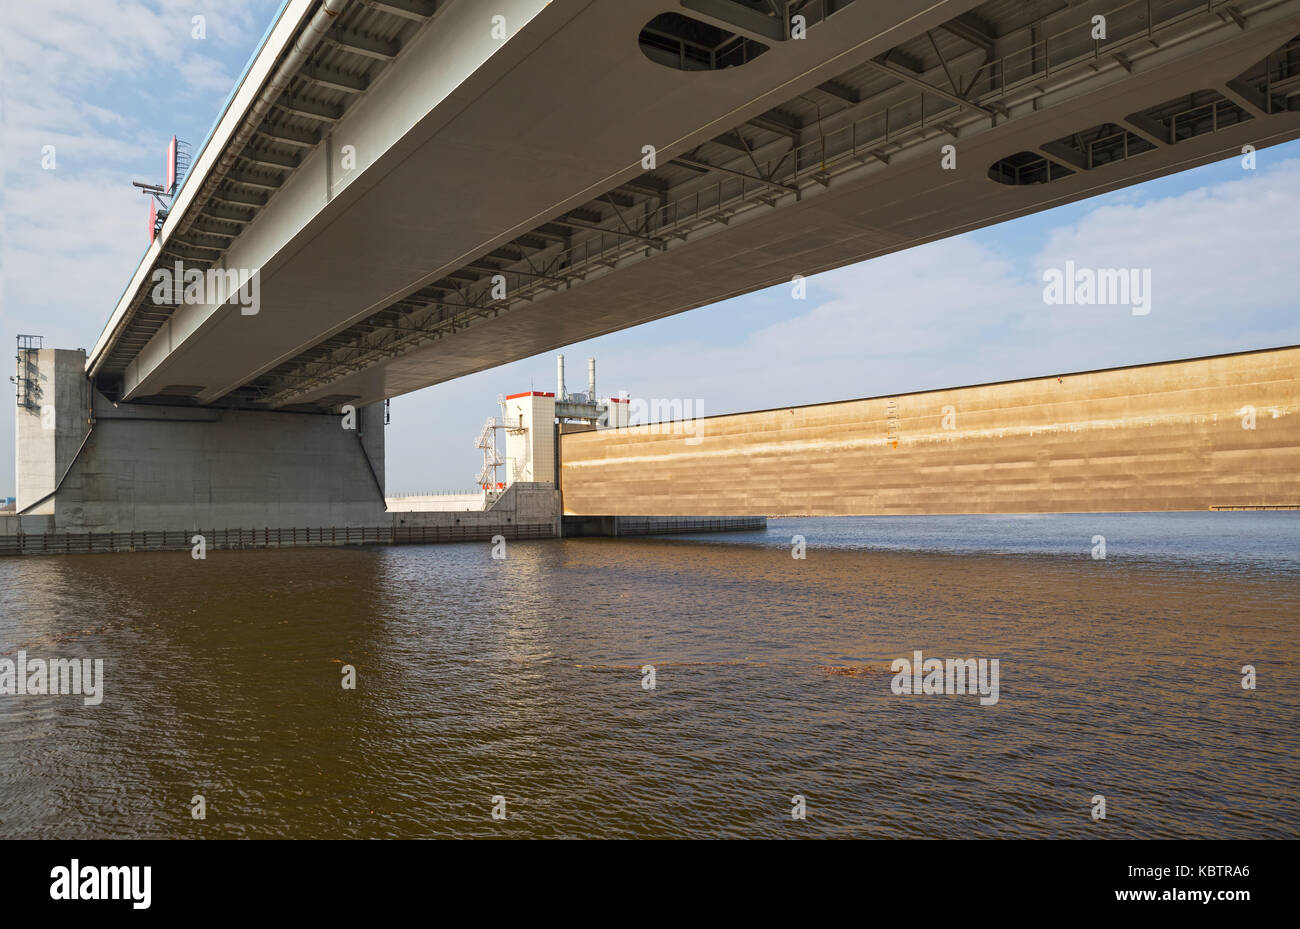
pixel 99 476
pixel 95 466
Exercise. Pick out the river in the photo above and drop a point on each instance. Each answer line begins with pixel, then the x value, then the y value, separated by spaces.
pixel 516 685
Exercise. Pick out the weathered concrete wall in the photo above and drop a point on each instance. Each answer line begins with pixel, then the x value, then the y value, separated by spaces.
pixel 236 470
pixel 147 467
pixel 34 525
pixel 525 511
pixel 1153 437
pixel 522 503
pixel 446 502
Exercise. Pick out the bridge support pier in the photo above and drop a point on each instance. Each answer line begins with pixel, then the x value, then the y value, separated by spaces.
pixel 89 465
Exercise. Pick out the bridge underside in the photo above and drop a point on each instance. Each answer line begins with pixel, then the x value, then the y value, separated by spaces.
pixel 1219 432
pixel 515 216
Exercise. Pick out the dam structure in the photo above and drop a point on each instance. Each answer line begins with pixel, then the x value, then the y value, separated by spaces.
pixel 399 193
pixel 1217 433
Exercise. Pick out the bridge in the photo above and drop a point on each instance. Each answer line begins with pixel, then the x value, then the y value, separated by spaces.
pixel 423 189
pixel 423 199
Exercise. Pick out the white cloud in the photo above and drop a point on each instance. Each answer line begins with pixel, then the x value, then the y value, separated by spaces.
pixel 1211 251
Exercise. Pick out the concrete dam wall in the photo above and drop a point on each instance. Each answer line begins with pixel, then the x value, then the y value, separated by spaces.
pixel 1203 433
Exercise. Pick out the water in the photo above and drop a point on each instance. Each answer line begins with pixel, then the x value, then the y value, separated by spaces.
pixel 521 678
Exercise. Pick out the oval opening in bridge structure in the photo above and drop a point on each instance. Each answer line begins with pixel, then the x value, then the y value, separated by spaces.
pixel 1027 168
pixel 678 41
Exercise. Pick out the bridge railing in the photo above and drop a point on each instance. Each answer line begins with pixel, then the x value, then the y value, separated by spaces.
pixel 73 543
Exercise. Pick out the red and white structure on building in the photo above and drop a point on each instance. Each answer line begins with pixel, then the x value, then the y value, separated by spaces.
pixel 531 420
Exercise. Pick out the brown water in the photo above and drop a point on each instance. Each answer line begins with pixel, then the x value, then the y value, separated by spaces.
pixel 521 678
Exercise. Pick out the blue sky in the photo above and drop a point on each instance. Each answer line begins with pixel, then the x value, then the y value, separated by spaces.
pixel 108 82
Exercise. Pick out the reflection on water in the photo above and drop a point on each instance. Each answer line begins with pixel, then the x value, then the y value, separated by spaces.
pixel 522 678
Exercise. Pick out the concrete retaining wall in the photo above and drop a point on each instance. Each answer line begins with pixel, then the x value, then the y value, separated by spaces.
pixel 1152 437
pixel 522 503
pixel 85 543
pixel 524 511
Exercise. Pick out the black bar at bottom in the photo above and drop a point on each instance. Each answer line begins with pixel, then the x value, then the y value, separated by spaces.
pixel 879 880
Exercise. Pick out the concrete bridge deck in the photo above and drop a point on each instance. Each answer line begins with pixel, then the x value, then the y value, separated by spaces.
pixel 424 198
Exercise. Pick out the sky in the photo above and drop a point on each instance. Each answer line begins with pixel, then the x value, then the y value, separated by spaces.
pixel 107 83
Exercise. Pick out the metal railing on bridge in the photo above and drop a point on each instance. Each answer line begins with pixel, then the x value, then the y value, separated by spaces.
pixel 71 543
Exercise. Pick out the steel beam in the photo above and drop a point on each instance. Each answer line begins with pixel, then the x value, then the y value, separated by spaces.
pixel 364 45
pixel 703 166
pixel 910 78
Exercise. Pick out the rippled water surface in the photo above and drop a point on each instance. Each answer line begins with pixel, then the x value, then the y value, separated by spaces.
pixel 521 678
